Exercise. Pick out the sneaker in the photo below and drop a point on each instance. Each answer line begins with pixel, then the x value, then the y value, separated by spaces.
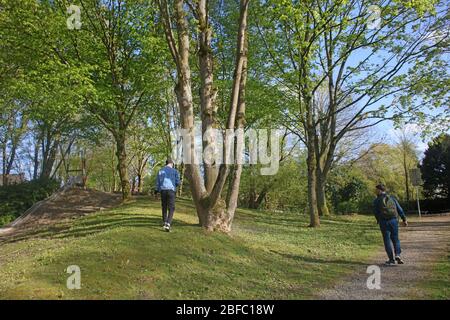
pixel 399 260
pixel 167 227
pixel 389 263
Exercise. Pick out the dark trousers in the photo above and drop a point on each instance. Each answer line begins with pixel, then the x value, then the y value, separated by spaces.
pixel 168 205
pixel 389 229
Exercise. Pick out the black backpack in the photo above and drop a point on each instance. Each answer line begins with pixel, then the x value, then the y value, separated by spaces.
pixel 388 207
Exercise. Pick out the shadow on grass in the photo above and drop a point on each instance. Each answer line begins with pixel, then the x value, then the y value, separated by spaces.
pixel 90 226
pixel 298 222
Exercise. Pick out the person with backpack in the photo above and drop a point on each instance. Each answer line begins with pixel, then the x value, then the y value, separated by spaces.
pixel 387 210
pixel 167 181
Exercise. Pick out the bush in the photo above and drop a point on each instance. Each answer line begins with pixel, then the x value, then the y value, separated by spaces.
pixel 347 207
pixel 437 205
pixel 16 199
pixel 5 219
pixel 349 191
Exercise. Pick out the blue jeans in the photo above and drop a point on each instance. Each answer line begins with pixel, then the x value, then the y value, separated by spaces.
pixel 389 229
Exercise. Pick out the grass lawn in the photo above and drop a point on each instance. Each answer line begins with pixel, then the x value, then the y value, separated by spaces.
pixel 437 285
pixel 123 253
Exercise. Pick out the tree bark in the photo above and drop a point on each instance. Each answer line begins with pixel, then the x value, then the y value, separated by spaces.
pixel 4 155
pixel 121 154
pixel 139 183
pixel 49 151
pixel 207 96
pixel 312 195
pixel 232 200
pixel 311 162
pixel 321 194
pixel 180 189
pixel 37 144
pixel 212 211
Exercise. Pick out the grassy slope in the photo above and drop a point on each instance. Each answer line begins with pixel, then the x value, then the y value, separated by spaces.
pixel 124 254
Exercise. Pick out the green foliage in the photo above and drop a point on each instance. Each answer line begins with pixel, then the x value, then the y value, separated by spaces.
pixel 7 218
pixel 351 187
pixel 15 199
pixel 149 183
pixel 349 190
pixel 435 168
pixel 284 191
pixel 347 207
pixel 382 163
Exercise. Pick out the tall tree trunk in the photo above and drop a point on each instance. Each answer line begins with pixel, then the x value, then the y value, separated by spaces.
pixel 50 150
pixel 133 185
pixel 84 169
pixel 37 144
pixel 207 97
pixel 139 183
pixel 232 200
pixel 405 168
pixel 312 195
pixel 4 160
pixel 113 171
pixel 121 154
pixel 180 189
pixel 311 163
pixel 321 194
pixel 142 163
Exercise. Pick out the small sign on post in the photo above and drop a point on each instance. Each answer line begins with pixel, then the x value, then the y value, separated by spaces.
pixel 416 180
pixel 416 177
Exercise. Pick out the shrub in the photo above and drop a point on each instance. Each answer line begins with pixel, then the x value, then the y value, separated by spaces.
pixel 5 219
pixel 349 191
pixel 347 207
pixel 16 199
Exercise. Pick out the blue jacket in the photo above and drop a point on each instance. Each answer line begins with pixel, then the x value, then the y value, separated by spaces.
pixel 168 179
pixel 378 203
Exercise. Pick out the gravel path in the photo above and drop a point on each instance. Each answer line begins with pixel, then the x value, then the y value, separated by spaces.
pixel 423 242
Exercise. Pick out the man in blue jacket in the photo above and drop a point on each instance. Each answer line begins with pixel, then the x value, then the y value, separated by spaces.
pixel 387 210
pixel 167 181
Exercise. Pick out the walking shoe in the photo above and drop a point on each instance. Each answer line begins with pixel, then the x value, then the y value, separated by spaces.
pixel 389 263
pixel 399 260
pixel 167 227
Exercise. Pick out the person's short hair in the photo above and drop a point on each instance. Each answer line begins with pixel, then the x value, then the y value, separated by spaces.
pixel 381 187
pixel 169 160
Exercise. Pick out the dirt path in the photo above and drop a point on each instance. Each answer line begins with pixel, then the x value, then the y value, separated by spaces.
pixel 423 242
pixel 62 205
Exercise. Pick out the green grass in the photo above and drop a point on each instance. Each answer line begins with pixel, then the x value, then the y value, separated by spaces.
pixel 124 254
pixel 437 285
